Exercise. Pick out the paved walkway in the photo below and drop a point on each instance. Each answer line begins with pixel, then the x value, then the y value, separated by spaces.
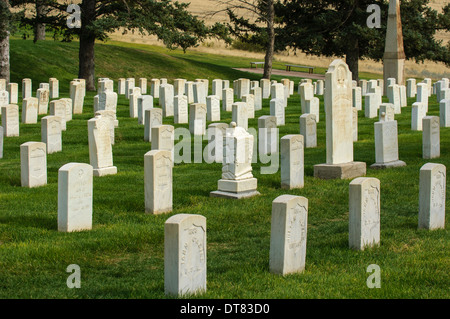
pixel 304 75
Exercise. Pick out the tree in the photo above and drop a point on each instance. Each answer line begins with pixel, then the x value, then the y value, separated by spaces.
pixel 169 21
pixel 339 28
pixel 5 22
pixel 260 31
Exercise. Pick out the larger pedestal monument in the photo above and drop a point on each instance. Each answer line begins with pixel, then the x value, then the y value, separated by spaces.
pixel 339 126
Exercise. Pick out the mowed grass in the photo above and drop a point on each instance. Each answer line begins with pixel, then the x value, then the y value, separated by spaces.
pixel 123 255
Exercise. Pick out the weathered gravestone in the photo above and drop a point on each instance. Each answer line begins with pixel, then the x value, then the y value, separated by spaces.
pixel 411 88
pixel 100 149
pixel 77 96
pixel 51 133
pixel 153 117
pixel 289 226
pixel 180 109
pixel 143 85
pixel 58 108
pixel 227 100
pixel 145 102
pixel 163 138
pixel 292 161
pixel 267 135
pixel 277 110
pixel 357 98
pixel 215 132
pixel 33 164
pixel 10 120
pixel 27 88
pixel 431 144
pixel 432 189
pixel 185 255
pixel 386 144
pixel 249 99
pixel 418 112
pixel 133 95
pixel 197 119
pixel 121 86
pixel 240 114
pixel 237 179
pixel 43 100
pixel 339 128
pixel 166 99
pixel 265 87
pixel 75 197
pixel 154 88
pixel 54 88
pixel 13 91
pixel 444 113
pixel 212 108
pixel 29 110
pixel 308 128
pixel 158 166
pixel 364 215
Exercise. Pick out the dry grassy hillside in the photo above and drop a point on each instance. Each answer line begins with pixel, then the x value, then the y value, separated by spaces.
pixel 203 9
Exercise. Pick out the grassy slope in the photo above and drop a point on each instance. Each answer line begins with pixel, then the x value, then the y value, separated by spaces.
pixel 122 256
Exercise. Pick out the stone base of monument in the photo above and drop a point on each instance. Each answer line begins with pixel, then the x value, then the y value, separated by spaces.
pixel 105 171
pixel 340 171
pixel 388 165
pixel 236 189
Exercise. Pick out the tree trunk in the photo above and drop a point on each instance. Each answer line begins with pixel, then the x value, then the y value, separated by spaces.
pixel 352 58
pixel 86 52
pixel 271 40
pixel 39 28
pixel 4 50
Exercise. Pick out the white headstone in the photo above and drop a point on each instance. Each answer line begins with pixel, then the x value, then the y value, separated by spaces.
pixel 145 102
pixel 411 89
pixel 163 138
pixel 418 112
pixel 75 197
pixel 143 85
pixel 189 91
pixel 185 255
pixel 216 132
pixel 76 94
pixel 240 114
pixel 166 99
pixel 199 90
pixel 10 120
pixel 357 98
pixel 227 99
pixel 197 119
pixel 249 99
pixel 27 88
pixel 308 128
pixel 54 88
pixel 178 87
pixel 100 149
pixel 371 105
pixel 153 117
pixel 444 113
pixel 33 164
pixel 129 84
pixel 265 87
pixel 154 88
pixel 257 93
pixel 422 94
pixel 30 110
pixel 292 161
pixel 58 108
pixel 386 144
pixel 133 95
pixel 389 112
pixel 393 94
pixel 180 110
pixel 121 86
pixel 13 90
pixel 267 135
pixel 158 181
pixel 277 110
pixel 364 215
pixel 288 234
pixel 213 108
pixel 432 189
pixel 43 100
pixel 217 87
pixel 51 133
pixel 431 144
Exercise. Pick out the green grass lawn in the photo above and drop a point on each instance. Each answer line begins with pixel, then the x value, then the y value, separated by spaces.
pixel 123 255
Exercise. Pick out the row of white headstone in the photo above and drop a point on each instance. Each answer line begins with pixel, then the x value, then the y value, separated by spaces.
pixel 185 261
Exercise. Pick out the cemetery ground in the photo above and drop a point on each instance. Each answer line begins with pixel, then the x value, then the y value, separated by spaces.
pixel 123 255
